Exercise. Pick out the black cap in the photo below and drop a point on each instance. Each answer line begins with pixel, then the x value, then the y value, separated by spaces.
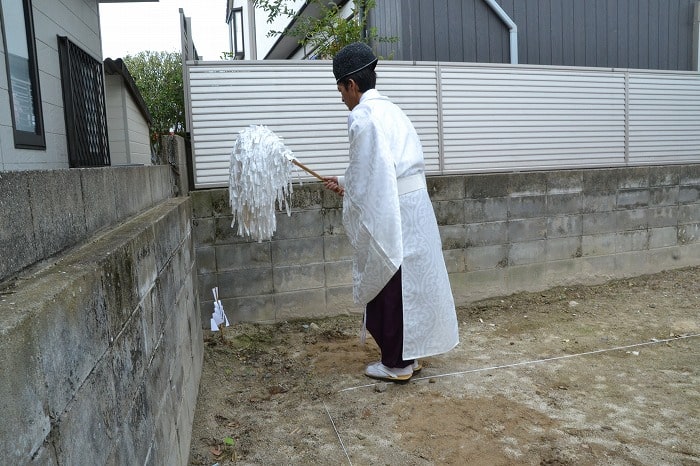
pixel 353 58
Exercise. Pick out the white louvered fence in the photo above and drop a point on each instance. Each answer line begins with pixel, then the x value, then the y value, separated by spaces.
pixel 470 117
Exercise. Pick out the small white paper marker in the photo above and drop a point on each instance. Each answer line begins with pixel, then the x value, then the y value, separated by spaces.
pixel 219 316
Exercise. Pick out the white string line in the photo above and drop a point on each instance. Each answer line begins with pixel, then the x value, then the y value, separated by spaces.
pixel 337 433
pixel 536 361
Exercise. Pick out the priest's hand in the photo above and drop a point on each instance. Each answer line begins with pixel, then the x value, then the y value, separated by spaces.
pixel 331 182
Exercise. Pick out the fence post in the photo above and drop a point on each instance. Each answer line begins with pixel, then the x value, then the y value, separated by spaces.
pixel 627 117
pixel 696 38
pixel 441 137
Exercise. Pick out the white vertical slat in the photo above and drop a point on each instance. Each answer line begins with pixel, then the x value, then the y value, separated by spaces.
pixel 664 118
pixel 414 89
pixel 504 118
pixel 299 103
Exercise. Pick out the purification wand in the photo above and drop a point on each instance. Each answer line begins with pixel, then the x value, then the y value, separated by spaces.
pixel 259 177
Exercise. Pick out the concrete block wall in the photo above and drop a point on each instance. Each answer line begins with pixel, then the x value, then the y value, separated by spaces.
pixel 101 350
pixel 532 231
pixel 501 233
pixel 305 270
pixel 45 212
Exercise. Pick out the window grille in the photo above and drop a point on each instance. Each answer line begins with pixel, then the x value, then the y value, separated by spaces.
pixel 82 80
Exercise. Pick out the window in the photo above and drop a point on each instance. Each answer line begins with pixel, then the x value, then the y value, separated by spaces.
pixel 236 33
pixel 22 73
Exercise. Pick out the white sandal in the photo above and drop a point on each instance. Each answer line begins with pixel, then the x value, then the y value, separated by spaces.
pixel 379 371
pixel 417 366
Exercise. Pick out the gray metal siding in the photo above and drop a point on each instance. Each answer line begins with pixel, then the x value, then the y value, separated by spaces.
pixel 644 34
pixel 388 24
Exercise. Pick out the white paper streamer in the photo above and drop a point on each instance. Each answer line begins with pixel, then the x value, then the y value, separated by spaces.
pixel 218 317
pixel 260 175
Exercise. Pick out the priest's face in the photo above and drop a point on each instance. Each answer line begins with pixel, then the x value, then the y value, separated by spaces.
pixel 350 94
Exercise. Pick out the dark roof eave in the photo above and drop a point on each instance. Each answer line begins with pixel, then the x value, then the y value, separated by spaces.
pixel 119 67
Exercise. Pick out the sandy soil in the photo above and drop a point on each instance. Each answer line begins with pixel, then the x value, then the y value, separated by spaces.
pixel 592 375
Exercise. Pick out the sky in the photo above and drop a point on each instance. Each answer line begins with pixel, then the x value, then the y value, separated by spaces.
pixel 129 28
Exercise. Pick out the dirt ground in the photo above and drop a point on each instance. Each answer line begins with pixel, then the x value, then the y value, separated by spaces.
pixel 585 375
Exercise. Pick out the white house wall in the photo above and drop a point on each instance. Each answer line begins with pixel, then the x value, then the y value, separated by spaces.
pixel 138 134
pixel 261 26
pixel 79 21
pixel 302 53
pixel 471 118
pixel 127 129
pixel 115 96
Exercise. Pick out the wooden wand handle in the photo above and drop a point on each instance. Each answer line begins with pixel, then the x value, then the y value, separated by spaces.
pixel 306 169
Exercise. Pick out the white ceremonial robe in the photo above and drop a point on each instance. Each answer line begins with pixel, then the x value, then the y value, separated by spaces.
pixel 390 222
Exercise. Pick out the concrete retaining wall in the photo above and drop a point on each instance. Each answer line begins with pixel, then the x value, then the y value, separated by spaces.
pixel 101 353
pixel 501 233
pixel 45 212
pixel 100 335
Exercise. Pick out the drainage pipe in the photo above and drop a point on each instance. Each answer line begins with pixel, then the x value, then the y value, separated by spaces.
pixel 511 26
